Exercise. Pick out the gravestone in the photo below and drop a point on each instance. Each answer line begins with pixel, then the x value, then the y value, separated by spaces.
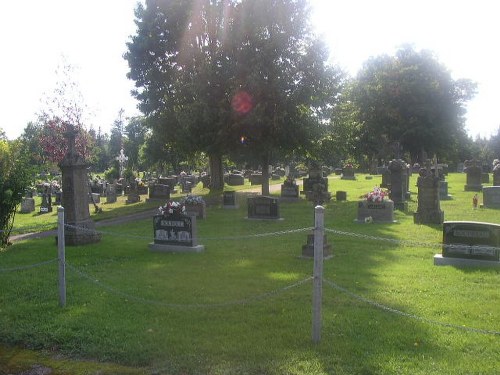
pixel 474 173
pixel 471 240
pixel 317 196
pixel 133 194
pixel 315 177
pixel 491 196
pixel 80 229
pixel 341 196
pixel 46 205
pixel 187 187
pixel 27 205
pixel 58 198
pixel 263 207
pixel 229 199
pixel 386 178
pixel 111 193
pixel 376 212
pixel 348 173
pixel 159 192
pixel 235 179
pixel 289 189
pixel 255 179
pixel 485 178
pixel 399 189
pixel 175 233
pixel 428 210
pixel 443 190
pixel 496 172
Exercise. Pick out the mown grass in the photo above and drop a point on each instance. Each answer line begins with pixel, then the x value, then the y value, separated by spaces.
pixel 234 309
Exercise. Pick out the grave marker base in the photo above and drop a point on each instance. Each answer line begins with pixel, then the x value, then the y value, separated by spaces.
pixel 440 260
pixel 175 248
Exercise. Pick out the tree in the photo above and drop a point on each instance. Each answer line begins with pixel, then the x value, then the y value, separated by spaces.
pixel 180 67
pixel 136 136
pixel 285 88
pixel 213 73
pixel 16 176
pixel 410 99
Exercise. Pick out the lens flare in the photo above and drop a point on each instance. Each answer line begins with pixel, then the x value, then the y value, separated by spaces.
pixel 242 102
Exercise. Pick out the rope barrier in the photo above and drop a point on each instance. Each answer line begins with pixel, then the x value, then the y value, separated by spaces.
pixel 408 315
pixel 408 242
pixel 243 301
pixel 21 268
pixel 245 236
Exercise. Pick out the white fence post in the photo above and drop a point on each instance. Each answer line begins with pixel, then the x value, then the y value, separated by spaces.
pixel 319 232
pixel 61 256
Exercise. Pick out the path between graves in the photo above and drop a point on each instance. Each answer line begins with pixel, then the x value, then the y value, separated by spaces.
pixel 128 218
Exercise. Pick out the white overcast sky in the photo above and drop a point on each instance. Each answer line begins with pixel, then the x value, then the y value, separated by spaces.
pixel 37 36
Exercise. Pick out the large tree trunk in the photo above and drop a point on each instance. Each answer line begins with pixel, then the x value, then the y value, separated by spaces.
pixel 265 174
pixel 216 172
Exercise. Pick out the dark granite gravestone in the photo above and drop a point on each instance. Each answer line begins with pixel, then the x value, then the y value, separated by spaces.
pixel 187 187
pixel 386 178
pixel 235 179
pixel 399 189
pixel 315 177
pixel 263 207
pixel 485 178
pixel 80 229
pixel 428 210
pixel 348 173
pixel 289 189
pixel 491 196
pixel 159 192
pixel 229 199
pixel 58 198
pixel 46 205
pixel 474 173
pixel 341 196
pixel 471 240
pixel 133 193
pixel 255 179
pixel 175 233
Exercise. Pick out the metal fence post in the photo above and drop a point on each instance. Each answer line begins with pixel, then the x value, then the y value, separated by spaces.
pixel 61 256
pixel 319 232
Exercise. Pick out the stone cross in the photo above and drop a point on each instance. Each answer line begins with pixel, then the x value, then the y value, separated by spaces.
pixel 122 159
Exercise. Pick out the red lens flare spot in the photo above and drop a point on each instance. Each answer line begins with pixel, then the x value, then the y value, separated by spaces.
pixel 242 102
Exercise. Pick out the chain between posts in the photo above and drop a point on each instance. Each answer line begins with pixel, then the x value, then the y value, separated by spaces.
pixel 408 242
pixel 22 268
pixel 408 315
pixel 243 301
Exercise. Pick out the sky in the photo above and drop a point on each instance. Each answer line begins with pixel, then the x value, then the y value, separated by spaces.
pixel 38 37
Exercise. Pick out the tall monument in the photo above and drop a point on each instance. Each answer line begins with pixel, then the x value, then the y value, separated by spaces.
pixel 80 229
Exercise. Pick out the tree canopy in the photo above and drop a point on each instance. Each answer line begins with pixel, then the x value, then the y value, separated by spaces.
pixel 410 99
pixel 220 75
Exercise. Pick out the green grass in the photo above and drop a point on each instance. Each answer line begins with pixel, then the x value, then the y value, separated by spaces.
pixel 186 313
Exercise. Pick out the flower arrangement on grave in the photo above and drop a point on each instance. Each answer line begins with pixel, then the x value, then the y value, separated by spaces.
pixel 348 165
pixel 172 208
pixel 192 200
pixel 377 195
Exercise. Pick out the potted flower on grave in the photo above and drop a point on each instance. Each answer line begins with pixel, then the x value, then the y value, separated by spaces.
pixel 377 206
pixel 172 208
pixel 194 205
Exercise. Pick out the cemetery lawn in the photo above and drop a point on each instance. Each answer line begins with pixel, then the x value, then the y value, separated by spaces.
pixel 243 306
